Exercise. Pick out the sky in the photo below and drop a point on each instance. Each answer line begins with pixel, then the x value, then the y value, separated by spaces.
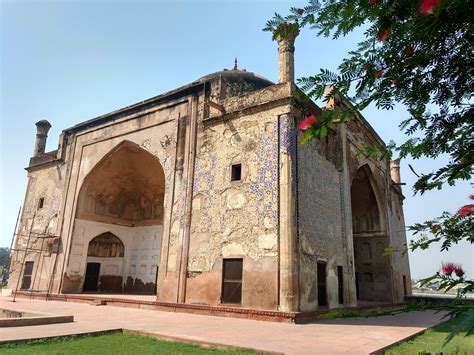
pixel 69 61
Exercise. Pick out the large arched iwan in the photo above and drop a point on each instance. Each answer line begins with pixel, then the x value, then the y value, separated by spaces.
pixel 124 196
pixel 371 237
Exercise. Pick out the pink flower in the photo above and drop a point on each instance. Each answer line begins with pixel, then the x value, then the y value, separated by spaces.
pixel 427 6
pixel 471 197
pixel 458 270
pixel 378 73
pixel 447 268
pixel 435 228
pixel 307 122
pixel 384 36
pixel 466 211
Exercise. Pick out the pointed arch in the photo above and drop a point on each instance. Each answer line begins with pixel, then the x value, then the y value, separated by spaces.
pixel 126 186
pixel 370 238
pixel 368 214
pixel 106 245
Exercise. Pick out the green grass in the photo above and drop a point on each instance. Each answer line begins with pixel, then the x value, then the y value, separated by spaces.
pixel 350 313
pixel 115 343
pixel 447 338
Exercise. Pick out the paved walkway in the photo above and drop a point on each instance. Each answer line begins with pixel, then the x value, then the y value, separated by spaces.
pixel 354 336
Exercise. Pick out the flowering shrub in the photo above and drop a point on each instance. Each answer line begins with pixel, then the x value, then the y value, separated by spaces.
pixel 458 271
pixel 466 211
pixel 307 122
pixel 427 7
pixel 412 53
pixel 448 229
pixel 447 268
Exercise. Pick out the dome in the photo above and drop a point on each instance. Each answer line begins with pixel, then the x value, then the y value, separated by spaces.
pixel 237 81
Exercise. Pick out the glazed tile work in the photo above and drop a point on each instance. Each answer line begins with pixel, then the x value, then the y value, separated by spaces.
pixel 211 199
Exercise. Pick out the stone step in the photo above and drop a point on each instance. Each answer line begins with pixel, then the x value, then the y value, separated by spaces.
pixel 98 302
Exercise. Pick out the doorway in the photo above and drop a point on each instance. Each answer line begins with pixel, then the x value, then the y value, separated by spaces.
pixel 91 281
pixel 26 282
pixel 322 288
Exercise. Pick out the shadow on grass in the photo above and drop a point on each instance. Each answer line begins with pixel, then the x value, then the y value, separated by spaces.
pixel 456 317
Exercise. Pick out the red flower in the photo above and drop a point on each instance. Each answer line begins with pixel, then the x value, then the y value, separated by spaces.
pixel 458 270
pixel 435 228
pixel 372 2
pixel 307 122
pixel 367 67
pixel 384 36
pixel 409 51
pixel 466 211
pixel 378 73
pixel 447 268
pixel 427 6
pixel 471 197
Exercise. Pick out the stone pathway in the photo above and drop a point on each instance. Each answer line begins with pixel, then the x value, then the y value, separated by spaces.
pixel 354 336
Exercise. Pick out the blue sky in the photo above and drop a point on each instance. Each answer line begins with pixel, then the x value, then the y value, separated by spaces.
pixel 69 61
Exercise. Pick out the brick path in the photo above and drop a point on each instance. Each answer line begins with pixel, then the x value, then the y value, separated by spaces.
pixel 354 336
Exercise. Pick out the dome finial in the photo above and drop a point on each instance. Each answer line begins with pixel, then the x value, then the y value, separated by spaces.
pixel 235 64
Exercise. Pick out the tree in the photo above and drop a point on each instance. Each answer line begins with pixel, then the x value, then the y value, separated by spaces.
pixel 417 53
pixel 5 257
pixel 4 263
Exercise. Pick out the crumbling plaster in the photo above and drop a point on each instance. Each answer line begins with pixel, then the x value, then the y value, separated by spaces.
pixel 236 218
pixel 290 210
pixel 44 182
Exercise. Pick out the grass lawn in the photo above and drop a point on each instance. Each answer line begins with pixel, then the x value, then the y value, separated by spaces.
pixel 441 339
pixel 115 343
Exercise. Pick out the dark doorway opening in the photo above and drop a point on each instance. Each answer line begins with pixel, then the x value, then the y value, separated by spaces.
pixel 322 289
pixel 26 282
pixel 340 284
pixel 91 282
pixel 405 286
pixel 156 280
pixel 232 281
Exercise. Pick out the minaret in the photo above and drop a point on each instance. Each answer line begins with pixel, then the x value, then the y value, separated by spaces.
pixel 42 128
pixel 286 57
pixel 395 170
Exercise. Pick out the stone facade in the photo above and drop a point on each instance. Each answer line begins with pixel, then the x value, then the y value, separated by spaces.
pixel 204 195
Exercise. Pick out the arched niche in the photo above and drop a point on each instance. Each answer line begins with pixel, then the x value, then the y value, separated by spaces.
pixel 372 268
pixel 367 215
pixel 122 194
pixel 106 245
pixel 126 187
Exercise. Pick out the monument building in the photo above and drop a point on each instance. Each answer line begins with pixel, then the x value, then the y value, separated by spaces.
pixel 204 195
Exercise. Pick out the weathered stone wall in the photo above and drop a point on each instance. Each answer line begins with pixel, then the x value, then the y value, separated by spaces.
pixel 236 218
pixel 153 130
pixel 47 183
pixel 380 277
pixel 142 247
pixel 320 218
pixel 398 239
